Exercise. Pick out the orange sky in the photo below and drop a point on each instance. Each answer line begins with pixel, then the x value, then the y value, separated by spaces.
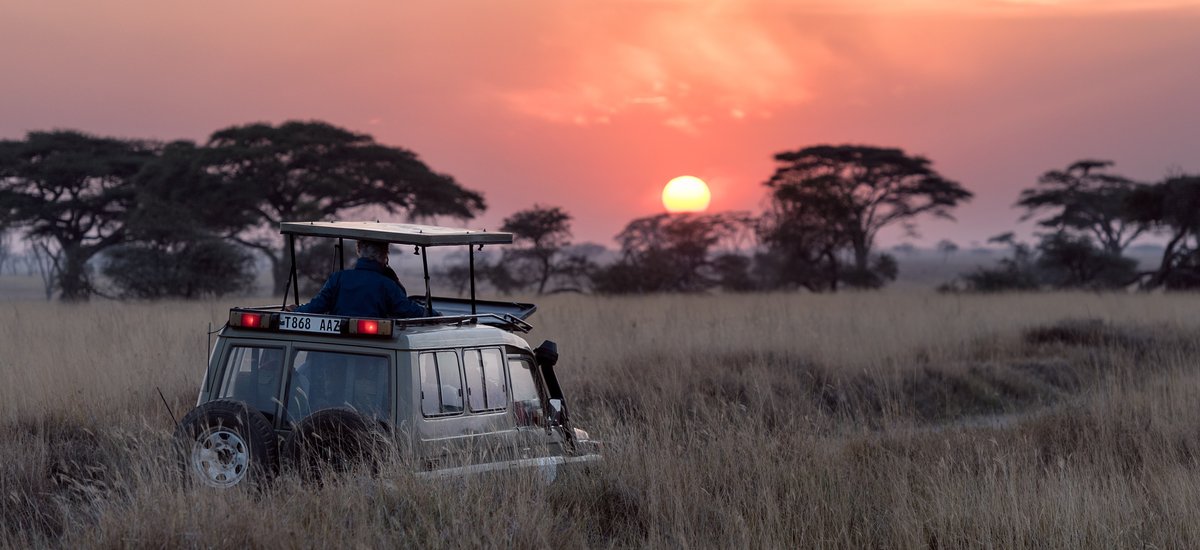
pixel 594 106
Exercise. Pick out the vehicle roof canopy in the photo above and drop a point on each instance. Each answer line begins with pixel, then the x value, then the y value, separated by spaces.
pixel 401 233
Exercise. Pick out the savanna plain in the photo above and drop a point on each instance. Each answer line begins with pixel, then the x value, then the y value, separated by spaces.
pixel 761 420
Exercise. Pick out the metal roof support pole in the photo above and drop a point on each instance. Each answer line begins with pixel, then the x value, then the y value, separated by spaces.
pixel 295 276
pixel 471 255
pixel 425 266
pixel 341 252
pixel 287 288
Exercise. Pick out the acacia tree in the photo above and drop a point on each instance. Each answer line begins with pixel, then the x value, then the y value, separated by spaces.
pixel 314 171
pixel 860 190
pixel 1085 198
pixel 70 192
pixel 541 233
pixel 1172 206
pixel 174 246
pixel 668 253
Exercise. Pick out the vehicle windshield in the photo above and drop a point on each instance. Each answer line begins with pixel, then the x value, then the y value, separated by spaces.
pixel 324 379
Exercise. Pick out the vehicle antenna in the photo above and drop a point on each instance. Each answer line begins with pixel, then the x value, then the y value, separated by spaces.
pixel 169 411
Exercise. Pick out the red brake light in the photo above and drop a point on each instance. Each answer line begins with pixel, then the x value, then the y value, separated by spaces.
pixel 368 327
pixel 252 319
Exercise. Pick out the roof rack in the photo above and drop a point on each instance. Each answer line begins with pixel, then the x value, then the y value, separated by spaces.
pixel 400 233
pixel 421 236
pixel 500 320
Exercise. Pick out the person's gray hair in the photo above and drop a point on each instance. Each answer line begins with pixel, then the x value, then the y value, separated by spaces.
pixel 376 250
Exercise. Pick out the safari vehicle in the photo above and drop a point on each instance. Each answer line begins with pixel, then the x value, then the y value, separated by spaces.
pixel 457 393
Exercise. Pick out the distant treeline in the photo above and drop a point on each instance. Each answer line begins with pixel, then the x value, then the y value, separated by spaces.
pixel 1090 217
pixel 182 219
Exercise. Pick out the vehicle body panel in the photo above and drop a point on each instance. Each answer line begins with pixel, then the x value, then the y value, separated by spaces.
pixel 464 439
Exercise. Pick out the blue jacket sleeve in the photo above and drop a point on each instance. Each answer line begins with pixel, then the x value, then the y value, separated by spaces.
pixel 324 301
pixel 402 306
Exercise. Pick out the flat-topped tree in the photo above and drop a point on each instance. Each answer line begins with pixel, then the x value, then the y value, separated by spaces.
pixel 1173 208
pixel 545 231
pixel 1085 198
pixel 866 189
pixel 314 170
pixel 71 192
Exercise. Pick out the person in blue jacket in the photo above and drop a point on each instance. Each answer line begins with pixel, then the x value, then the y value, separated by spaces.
pixel 370 289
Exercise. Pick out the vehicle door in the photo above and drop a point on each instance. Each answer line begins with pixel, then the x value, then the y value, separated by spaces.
pixel 323 376
pixel 530 407
pixel 464 408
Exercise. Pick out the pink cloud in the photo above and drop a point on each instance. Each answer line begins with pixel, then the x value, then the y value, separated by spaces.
pixel 680 65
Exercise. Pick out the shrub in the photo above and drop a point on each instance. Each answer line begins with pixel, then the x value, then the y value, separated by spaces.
pixel 203 268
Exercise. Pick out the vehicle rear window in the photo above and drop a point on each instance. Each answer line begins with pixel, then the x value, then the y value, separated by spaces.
pixel 441 384
pixel 486 390
pixel 252 374
pixel 327 379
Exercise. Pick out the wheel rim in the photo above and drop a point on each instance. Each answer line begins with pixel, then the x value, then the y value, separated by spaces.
pixel 220 457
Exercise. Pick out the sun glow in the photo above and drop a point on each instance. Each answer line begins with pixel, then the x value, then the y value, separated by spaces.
pixel 686 194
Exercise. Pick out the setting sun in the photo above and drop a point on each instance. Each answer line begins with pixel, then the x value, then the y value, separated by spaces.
pixel 686 194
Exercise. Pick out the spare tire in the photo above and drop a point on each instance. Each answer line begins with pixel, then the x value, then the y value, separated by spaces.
pixel 225 442
pixel 336 439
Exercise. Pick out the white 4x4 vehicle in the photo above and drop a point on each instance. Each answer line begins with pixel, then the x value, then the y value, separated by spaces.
pixel 456 394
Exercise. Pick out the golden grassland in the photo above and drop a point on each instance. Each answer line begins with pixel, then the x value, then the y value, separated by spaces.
pixel 762 420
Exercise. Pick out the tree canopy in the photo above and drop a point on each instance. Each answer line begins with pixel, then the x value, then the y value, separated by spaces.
pixel 541 233
pixel 1173 207
pixel 669 253
pixel 828 198
pixel 315 171
pixel 174 247
pixel 72 193
pixel 1085 198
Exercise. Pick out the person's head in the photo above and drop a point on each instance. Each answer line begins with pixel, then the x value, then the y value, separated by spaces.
pixel 375 250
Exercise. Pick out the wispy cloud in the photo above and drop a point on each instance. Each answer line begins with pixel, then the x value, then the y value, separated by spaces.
pixel 688 63
pixel 684 66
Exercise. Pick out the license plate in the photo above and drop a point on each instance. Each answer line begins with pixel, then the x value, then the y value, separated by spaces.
pixel 304 323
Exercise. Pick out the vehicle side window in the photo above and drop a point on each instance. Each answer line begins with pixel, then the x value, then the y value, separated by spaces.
pixel 326 379
pixel 441 384
pixel 252 374
pixel 527 404
pixel 486 390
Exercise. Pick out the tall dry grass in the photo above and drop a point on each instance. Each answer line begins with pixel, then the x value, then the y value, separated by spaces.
pixel 773 420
